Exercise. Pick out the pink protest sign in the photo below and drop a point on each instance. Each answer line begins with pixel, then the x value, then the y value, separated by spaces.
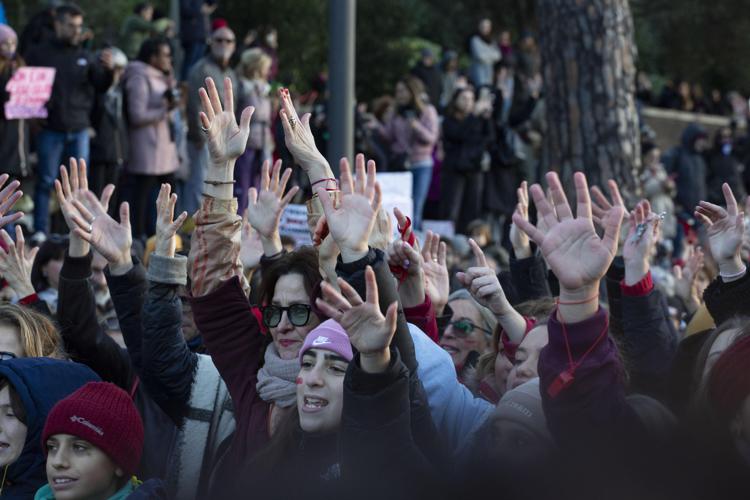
pixel 29 89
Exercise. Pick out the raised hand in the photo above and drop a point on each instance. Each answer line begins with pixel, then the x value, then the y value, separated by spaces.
pixel 725 229
pixel 226 140
pixel 437 280
pixel 166 225
pixel 73 187
pixel 251 247
pixel 369 331
pixel 483 284
pixel 351 223
pixel 401 255
pixel 15 264
pixel 574 252
pixel 685 278
pixel 8 197
pixel 639 245
pixel 601 207
pixel 265 207
pixel 300 141
pixel 111 239
pixel 518 239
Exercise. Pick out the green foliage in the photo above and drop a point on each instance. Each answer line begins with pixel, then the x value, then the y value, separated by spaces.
pixel 696 40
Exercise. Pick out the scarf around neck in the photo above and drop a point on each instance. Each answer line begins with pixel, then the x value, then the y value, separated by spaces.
pixel 276 380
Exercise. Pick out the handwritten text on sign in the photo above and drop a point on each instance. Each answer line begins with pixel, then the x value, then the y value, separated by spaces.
pixel 29 89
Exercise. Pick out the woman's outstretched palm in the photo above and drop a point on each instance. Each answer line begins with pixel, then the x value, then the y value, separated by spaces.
pixel 226 140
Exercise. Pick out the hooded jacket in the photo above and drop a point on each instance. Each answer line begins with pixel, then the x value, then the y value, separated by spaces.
pixel 690 168
pixel 40 384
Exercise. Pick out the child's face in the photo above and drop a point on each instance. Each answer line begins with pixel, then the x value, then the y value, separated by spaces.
pixel 78 470
pixel 12 431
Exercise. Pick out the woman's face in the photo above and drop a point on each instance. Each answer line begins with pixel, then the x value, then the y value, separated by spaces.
pixel 78 469
pixel 465 101
pixel 320 390
pixel 403 96
pixel 10 340
pixel 51 271
pixel 723 342
pixel 485 27
pixel 502 371
pixel 527 357
pixel 460 342
pixel 12 431
pixel 288 338
pixel 8 48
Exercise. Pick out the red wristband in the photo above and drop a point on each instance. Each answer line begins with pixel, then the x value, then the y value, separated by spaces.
pixel 29 299
pixel 640 289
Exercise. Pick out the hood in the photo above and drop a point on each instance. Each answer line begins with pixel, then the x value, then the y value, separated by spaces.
pixel 40 383
pixel 142 69
pixel 690 134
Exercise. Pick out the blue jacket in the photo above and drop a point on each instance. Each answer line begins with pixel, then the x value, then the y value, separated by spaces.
pixel 40 384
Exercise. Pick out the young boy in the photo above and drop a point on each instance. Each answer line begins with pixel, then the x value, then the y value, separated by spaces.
pixel 93 440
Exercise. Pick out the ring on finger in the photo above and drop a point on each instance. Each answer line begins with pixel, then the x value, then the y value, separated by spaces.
pixel 204 129
pixel 292 122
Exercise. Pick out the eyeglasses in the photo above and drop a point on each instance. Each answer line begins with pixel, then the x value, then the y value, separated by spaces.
pixel 298 314
pixel 464 327
pixel 6 355
pixel 224 40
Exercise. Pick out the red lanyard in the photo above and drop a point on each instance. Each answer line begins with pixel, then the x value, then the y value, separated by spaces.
pixel 566 377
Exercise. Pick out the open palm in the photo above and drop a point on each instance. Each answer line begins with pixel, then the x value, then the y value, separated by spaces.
pixel 226 140
pixel 110 238
pixel 351 223
pixel 725 227
pixel 573 250
pixel 265 207
pixel 369 331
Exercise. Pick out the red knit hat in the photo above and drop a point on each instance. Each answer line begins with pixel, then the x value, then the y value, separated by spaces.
pixel 104 415
pixel 729 383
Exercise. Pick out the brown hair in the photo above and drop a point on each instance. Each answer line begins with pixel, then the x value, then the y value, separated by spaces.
pixel 741 323
pixel 303 261
pixel 416 88
pixel 39 336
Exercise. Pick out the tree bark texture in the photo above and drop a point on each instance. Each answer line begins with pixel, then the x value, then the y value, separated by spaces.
pixel 588 57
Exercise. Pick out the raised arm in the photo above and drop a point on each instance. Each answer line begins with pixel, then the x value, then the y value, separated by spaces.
pixel 168 364
pixel 215 247
pixel 87 218
pixel 528 271
pixel 650 341
pixel 581 392
pixel 727 294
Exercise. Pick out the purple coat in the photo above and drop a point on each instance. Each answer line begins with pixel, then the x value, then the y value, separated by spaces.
pixel 152 149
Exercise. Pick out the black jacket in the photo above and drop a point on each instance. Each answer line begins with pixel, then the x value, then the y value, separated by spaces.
pixel 193 24
pixel 87 343
pixel 690 168
pixel 423 428
pixel 78 77
pixel 432 79
pixel 464 142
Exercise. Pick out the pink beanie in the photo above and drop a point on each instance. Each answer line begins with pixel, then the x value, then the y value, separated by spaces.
pixel 329 336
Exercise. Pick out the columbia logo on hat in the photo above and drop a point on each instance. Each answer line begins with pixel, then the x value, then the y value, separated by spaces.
pixel 321 341
pixel 83 421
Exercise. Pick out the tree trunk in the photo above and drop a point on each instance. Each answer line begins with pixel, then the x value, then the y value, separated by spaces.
pixel 588 55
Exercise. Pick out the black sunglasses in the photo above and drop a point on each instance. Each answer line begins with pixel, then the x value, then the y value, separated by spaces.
pixel 464 327
pixel 298 314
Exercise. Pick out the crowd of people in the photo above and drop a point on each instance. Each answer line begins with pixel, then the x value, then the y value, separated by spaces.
pixel 160 339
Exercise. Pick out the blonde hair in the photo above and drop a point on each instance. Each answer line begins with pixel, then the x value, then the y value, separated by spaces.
pixel 39 336
pixel 252 61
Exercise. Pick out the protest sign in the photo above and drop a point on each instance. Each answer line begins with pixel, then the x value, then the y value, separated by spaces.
pixel 294 224
pixel 30 88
